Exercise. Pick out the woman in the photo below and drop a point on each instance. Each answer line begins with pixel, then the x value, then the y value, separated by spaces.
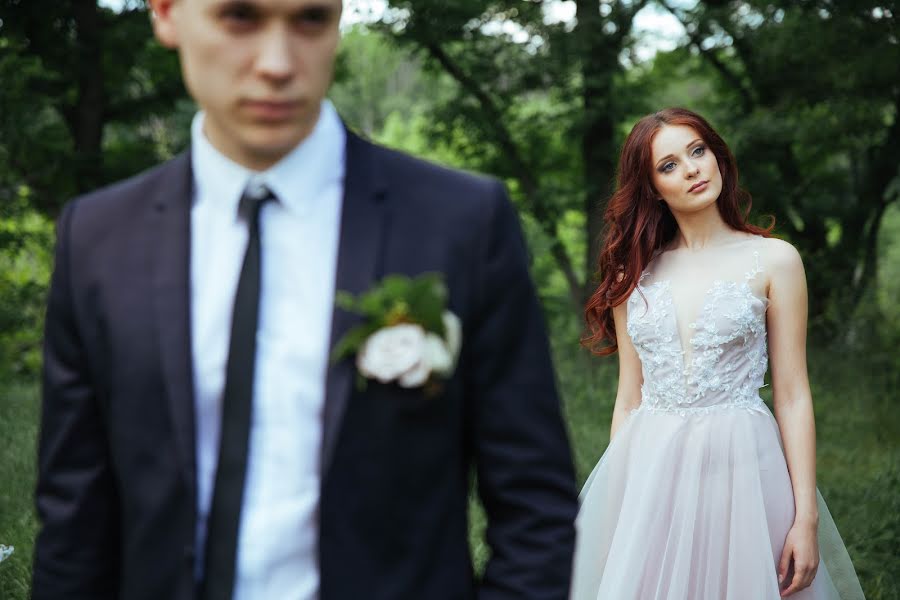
pixel 696 497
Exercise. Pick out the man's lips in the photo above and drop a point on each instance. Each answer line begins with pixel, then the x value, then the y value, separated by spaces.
pixel 272 109
pixel 700 185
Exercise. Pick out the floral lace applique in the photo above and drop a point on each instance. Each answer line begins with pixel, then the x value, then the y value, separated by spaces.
pixel 727 359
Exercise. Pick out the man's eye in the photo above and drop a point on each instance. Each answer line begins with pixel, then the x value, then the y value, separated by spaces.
pixel 239 14
pixel 314 18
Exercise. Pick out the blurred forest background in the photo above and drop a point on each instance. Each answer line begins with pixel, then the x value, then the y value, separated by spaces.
pixel 541 94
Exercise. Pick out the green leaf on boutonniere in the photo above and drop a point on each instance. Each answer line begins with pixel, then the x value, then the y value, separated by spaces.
pixel 427 299
pixel 352 341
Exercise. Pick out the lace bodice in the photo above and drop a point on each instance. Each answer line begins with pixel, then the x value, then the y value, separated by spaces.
pixel 719 359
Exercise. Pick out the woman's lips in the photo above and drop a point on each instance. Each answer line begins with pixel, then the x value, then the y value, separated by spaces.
pixel 698 187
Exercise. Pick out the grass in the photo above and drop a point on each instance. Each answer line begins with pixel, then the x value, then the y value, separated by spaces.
pixel 857 418
pixel 18 430
pixel 858 428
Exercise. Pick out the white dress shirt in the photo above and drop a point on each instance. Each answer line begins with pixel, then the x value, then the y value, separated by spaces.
pixel 278 538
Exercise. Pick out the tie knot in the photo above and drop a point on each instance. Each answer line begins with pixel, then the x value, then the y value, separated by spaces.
pixel 255 196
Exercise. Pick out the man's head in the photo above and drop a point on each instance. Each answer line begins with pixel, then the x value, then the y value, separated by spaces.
pixel 258 68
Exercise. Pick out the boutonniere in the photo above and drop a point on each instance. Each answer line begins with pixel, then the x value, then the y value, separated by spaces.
pixel 408 336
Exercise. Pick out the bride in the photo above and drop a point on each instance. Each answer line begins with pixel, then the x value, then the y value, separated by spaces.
pixel 702 494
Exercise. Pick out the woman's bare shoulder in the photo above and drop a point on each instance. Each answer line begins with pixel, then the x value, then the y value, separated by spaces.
pixel 779 256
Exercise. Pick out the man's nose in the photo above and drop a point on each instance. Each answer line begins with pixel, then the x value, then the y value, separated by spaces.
pixel 275 60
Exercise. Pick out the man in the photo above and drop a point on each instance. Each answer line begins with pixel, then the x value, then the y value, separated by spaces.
pixel 196 440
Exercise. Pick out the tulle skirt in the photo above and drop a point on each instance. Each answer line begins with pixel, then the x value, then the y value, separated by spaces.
pixel 696 506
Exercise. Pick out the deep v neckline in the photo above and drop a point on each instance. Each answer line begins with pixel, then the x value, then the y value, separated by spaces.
pixel 705 302
pixel 665 285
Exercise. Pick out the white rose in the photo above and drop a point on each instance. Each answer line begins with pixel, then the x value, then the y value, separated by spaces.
pixel 409 355
pixel 417 375
pixel 5 552
pixel 391 352
pixel 438 355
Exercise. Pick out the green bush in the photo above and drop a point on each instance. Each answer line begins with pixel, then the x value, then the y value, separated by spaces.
pixel 26 242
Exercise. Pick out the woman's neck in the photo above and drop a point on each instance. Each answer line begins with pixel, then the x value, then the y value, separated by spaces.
pixel 701 229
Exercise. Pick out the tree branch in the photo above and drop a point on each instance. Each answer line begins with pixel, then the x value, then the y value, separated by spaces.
pixel 523 173
pixel 748 102
pixel 880 178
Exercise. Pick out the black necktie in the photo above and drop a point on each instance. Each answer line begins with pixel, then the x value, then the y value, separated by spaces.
pixel 237 403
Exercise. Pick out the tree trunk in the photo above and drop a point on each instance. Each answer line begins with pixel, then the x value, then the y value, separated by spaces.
pixel 86 118
pixel 600 62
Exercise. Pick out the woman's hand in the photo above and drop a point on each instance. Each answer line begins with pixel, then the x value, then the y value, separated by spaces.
pixel 800 558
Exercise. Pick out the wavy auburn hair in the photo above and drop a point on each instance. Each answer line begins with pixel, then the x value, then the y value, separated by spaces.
pixel 638 223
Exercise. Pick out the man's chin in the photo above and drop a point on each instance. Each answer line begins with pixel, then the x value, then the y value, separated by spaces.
pixel 266 146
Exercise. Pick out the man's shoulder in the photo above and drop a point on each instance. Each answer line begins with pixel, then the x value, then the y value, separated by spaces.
pixel 397 165
pixel 137 189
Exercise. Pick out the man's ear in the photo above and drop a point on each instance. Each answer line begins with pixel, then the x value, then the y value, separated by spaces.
pixel 161 16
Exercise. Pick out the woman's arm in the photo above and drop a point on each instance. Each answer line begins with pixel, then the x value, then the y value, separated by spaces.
pixel 628 395
pixel 787 318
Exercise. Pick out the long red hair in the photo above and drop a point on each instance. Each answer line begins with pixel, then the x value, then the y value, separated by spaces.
pixel 638 224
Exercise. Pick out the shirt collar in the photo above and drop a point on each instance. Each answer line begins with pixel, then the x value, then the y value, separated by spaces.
pixel 298 179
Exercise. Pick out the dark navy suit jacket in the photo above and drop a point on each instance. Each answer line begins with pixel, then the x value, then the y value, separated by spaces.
pixel 116 489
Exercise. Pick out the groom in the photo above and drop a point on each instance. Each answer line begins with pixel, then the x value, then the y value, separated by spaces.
pixel 197 442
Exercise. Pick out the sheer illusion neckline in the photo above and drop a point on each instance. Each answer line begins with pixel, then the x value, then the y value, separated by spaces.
pixel 714 248
pixel 714 284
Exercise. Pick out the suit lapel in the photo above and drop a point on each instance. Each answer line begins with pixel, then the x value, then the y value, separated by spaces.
pixel 172 203
pixel 363 221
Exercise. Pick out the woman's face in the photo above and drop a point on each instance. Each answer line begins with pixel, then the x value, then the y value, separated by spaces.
pixel 685 172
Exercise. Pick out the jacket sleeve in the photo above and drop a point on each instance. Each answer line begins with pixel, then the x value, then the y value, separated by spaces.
pixel 523 460
pixel 76 551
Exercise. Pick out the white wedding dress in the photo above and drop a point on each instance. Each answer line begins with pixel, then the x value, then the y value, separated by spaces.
pixel 692 498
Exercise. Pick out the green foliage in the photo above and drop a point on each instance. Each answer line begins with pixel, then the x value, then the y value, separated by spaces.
pixel 528 85
pixel 375 80
pixel 34 144
pixel 409 133
pixel 515 108
pixel 26 238
pixel 888 289
pixel 87 97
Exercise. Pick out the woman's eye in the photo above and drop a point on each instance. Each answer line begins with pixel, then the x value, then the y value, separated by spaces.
pixel 698 151
pixel 668 167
